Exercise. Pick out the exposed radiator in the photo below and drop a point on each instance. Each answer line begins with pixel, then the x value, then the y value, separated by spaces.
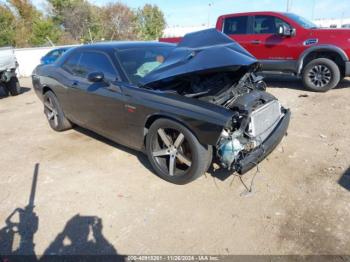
pixel 264 120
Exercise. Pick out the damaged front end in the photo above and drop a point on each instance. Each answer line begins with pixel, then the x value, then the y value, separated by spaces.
pixel 210 67
pixel 258 125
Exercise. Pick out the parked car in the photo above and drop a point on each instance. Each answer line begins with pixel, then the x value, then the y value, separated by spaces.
pixel 179 104
pixel 53 55
pixel 288 43
pixel 8 79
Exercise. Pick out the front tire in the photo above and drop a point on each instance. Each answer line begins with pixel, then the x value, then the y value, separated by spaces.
pixel 3 90
pixel 54 113
pixel 321 75
pixel 13 86
pixel 175 153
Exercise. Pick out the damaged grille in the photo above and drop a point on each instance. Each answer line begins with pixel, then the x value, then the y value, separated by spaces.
pixel 264 120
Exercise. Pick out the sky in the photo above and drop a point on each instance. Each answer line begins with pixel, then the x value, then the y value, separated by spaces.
pixel 197 12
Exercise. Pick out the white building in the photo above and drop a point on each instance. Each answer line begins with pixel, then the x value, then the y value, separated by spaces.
pixel 334 23
pixel 176 31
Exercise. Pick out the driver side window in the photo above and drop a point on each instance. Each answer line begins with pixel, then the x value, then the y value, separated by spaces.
pixel 91 62
pixel 71 64
pixel 267 24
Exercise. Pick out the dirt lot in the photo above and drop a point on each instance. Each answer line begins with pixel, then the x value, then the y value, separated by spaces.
pixel 299 204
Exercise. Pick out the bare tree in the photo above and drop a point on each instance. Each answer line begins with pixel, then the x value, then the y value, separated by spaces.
pixel 119 22
pixel 76 19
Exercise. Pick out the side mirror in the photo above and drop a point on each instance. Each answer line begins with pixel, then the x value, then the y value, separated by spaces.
pixel 285 30
pixel 96 77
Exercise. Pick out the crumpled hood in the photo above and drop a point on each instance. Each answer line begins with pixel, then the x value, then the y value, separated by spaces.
pixel 205 50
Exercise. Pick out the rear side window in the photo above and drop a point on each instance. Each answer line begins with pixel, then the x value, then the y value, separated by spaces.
pixel 71 64
pixel 55 53
pixel 96 62
pixel 236 25
pixel 267 24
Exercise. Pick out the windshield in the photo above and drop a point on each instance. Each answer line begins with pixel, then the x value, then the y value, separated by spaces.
pixel 301 21
pixel 139 62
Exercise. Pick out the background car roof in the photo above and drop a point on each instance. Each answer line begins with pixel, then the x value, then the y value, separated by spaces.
pixel 123 45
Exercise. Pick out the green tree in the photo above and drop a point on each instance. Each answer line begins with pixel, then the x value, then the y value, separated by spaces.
pixel 150 22
pixel 57 9
pixel 24 13
pixel 43 31
pixel 7 26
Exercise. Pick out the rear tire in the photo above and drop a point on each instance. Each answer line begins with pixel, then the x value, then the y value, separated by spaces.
pixel 321 75
pixel 54 113
pixel 13 86
pixel 175 153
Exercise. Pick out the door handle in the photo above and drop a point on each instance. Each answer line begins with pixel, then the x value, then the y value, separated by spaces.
pixel 115 89
pixel 256 42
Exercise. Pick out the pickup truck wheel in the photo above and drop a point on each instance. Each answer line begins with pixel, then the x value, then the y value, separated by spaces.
pixel 321 75
pixel 13 86
pixel 54 113
pixel 175 153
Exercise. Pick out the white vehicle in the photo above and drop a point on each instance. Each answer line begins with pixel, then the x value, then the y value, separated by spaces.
pixel 8 78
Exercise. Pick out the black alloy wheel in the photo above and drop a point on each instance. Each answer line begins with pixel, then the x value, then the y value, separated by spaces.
pixel 321 75
pixel 172 152
pixel 175 153
pixel 54 113
pixel 51 112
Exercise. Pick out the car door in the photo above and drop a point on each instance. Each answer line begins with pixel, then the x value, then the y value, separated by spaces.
pixel 99 106
pixel 237 28
pixel 65 75
pixel 265 44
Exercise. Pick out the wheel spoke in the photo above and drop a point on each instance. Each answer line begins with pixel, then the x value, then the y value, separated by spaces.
pixel 172 165
pixel 48 106
pixel 55 119
pixel 184 159
pixel 163 152
pixel 50 115
pixel 164 137
pixel 179 140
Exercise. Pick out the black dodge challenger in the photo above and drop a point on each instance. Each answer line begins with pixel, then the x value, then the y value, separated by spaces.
pixel 183 105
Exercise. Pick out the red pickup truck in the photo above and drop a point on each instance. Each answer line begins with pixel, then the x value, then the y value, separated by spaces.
pixel 288 43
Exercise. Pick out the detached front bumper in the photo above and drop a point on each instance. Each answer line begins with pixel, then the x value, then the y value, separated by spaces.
pixel 256 156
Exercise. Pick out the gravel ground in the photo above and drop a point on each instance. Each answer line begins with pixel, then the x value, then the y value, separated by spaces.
pixel 94 196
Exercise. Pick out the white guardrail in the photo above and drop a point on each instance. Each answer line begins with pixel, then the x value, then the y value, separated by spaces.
pixel 29 58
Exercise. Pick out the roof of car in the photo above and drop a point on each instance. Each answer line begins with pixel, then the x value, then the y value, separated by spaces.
pixel 125 45
pixel 254 13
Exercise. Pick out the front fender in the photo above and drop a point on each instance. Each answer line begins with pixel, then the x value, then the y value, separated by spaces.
pixel 206 132
pixel 320 48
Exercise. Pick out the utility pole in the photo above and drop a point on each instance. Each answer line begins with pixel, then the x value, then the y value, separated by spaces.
pixel 209 7
pixel 342 18
pixel 289 5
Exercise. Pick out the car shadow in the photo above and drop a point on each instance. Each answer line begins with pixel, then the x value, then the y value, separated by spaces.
pixel 80 240
pixel 292 82
pixel 4 93
pixel 344 181
pixel 140 155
